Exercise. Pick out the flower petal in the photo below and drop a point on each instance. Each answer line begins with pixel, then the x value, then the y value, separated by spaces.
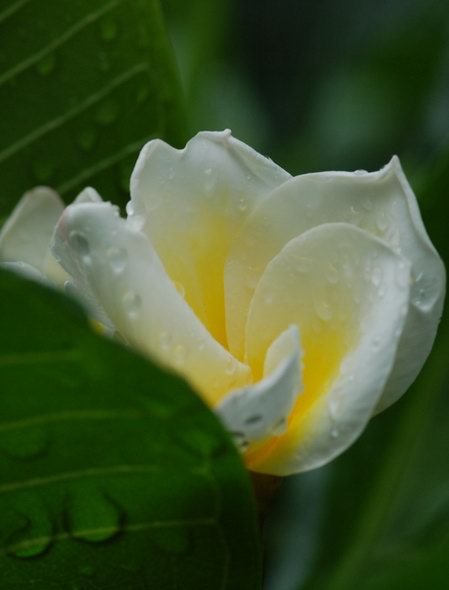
pixel 25 270
pixel 26 235
pixel 258 411
pixel 383 204
pixel 350 329
pixel 193 202
pixel 57 274
pixel 118 266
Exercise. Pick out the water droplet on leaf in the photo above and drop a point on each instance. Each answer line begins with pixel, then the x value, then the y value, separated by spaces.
pixel 46 65
pixel 108 29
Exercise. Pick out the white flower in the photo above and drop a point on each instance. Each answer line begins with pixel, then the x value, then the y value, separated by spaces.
pixel 297 307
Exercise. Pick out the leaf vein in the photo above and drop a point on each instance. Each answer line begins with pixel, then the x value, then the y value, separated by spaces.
pixel 66 36
pixel 62 119
pixel 74 475
pixel 13 9
pixel 50 356
pixel 103 164
pixel 133 528
pixel 119 414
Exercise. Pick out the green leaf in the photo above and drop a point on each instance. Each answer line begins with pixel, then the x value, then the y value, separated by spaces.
pixel 383 523
pixel 83 85
pixel 113 474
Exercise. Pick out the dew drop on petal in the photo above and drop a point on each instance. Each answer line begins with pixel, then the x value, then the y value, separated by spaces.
pixel 323 310
pixel 133 303
pixel 165 340
pixel 80 244
pixel 332 274
pixel 280 427
pixel 382 221
pixel 179 354
pixel 243 205
pixel 376 276
pixel 117 259
pixel 231 366
pixel 303 265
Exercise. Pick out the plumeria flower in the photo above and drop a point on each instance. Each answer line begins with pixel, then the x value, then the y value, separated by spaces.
pixel 297 307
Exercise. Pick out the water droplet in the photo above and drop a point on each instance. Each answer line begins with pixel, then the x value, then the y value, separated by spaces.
pixel 165 340
pixel 142 94
pixel 335 433
pixel 33 535
pixel 360 172
pixel 280 427
pixel 334 408
pixel 87 570
pixel 117 259
pixel 108 29
pixel 86 138
pixel 208 171
pixel 201 346
pixel 243 205
pixel 367 204
pixel 303 265
pixel 255 419
pixel 107 112
pixel 268 298
pixel 402 275
pixel 179 354
pixel 25 445
pixel 136 223
pixel 46 65
pixel 231 366
pixel 376 276
pixel 375 344
pixel 44 169
pixel 91 516
pixel 79 243
pixel 133 303
pixel 240 440
pixel 382 221
pixel 323 310
pixel 332 274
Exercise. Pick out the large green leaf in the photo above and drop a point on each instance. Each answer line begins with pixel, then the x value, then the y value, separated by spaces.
pixel 82 86
pixel 113 474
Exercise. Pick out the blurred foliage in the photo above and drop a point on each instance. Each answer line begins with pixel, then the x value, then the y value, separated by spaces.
pixel 113 474
pixel 82 87
pixel 344 85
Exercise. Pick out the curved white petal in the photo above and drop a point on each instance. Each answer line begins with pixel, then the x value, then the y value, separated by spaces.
pixel 26 234
pixel 25 270
pixel 57 274
pixel 88 195
pixel 350 328
pixel 118 266
pixel 383 204
pixel 259 411
pixel 192 202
